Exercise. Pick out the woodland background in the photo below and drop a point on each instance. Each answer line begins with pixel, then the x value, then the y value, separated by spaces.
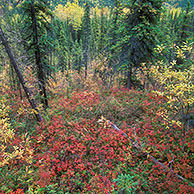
pixel 96 96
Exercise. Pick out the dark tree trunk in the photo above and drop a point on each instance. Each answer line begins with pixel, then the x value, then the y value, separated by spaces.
pixel 85 58
pixel 19 74
pixel 129 81
pixel 40 72
pixel 20 90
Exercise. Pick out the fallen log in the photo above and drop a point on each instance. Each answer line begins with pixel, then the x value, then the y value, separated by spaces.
pixel 149 156
pixel 20 76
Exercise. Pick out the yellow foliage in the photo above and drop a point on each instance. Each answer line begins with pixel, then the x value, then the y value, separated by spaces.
pixel 71 12
pixel 5 132
pixel 98 11
pixel 126 10
pixel 15 18
pixel 175 12
pixel 104 122
pixel 160 48
pixel 8 152
pixel 177 87
pixel 46 18
pixel 10 7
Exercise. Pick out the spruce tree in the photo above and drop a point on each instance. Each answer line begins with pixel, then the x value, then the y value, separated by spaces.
pixel 35 26
pixel 184 36
pixel 86 32
pixel 101 41
pixel 95 32
pixel 114 35
pixel 64 44
pixel 77 56
pixel 186 28
pixel 139 34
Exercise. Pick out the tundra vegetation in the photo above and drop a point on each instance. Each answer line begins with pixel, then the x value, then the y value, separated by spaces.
pixel 96 96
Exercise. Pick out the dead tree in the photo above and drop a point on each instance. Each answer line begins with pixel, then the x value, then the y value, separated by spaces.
pixel 19 74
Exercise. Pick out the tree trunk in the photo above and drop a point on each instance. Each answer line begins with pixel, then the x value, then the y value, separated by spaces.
pixel 86 62
pixel 19 74
pixel 40 72
pixel 129 74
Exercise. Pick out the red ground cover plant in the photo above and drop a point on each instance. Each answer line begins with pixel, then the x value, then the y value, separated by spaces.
pixel 76 154
pixel 80 155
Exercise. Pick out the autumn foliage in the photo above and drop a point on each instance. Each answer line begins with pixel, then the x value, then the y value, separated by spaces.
pixel 96 136
pixel 71 151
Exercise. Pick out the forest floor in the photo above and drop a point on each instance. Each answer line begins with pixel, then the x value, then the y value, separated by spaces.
pixel 76 149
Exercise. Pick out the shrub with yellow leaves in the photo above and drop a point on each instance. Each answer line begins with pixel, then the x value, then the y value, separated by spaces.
pixel 8 151
pixel 6 133
pixel 177 86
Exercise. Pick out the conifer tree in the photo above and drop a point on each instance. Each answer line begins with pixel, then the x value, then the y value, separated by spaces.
pixel 185 36
pixel 175 33
pixel 102 31
pixel 114 35
pixel 64 44
pixel 139 34
pixel 86 32
pixel 169 27
pixel 35 30
pixel 77 56
pixel 186 28
pixel 95 31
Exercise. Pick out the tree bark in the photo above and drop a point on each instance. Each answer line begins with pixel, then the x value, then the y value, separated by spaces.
pixel 19 74
pixel 129 74
pixel 86 62
pixel 40 72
